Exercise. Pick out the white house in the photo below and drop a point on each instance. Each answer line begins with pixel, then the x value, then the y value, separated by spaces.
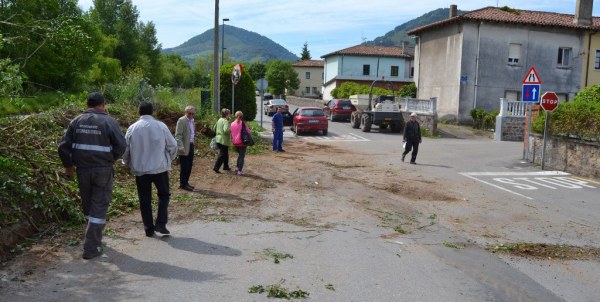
pixel 363 64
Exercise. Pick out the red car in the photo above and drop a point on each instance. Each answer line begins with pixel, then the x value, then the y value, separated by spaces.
pixel 306 119
pixel 338 109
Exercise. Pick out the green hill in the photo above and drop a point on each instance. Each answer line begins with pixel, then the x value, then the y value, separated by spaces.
pixel 241 45
pixel 396 36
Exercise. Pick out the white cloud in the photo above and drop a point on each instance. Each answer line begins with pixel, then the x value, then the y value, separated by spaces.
pixel 326 25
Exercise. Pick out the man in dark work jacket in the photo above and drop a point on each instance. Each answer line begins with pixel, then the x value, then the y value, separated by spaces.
pixel 412 138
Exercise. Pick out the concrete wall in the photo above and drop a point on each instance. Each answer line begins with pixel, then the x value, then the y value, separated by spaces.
pixel 426 121
pixel 578 157
pixel 591 76
pixel 466 66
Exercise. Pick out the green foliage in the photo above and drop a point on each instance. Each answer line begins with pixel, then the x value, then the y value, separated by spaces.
pixel 580 118
pixel 38 103
pixel 483 119
pixel 244 94
pixel 257 70
pixel 409 90
pixel 281 77
pixel 176 72
pixel 347 89
pixel 305 54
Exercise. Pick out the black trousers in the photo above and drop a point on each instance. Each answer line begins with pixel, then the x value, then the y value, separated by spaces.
pixel 185 165
pixel 222 158
pixel 414 145
pixel 144 188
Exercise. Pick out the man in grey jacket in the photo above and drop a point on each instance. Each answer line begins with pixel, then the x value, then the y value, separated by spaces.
pixel 150 150
pixel 92 143
pixel 184 134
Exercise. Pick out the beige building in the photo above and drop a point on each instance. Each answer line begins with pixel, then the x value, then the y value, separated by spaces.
pixel 591 57
pixel 310 73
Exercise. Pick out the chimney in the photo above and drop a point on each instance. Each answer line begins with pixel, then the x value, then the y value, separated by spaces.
pixel 453 10
pixel 583 12
pixel 404 46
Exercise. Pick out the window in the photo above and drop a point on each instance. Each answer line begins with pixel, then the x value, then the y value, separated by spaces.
pixel 308 75
pixel 314 91
pixel 307 90
pixel 412 72
pixel 597 64
pixel 322 75
pixel 514 53
pixel 366 69
pixel 564 57
pixel 394 71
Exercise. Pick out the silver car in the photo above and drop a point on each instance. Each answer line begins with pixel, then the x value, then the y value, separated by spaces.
pixel 270 106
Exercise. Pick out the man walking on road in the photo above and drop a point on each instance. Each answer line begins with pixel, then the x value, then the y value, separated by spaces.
pixel 277 128
pixel 184 134
pixel 92 143
pixel 412 138
pixel 150 150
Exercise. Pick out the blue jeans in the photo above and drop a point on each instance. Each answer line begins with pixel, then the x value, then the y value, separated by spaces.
pixel 278 140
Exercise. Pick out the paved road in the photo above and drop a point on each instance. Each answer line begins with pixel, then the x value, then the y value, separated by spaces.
pixel 353 261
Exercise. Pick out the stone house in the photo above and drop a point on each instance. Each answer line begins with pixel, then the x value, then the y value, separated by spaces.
pixel 310 73
pixel 472 60
pixel 363 64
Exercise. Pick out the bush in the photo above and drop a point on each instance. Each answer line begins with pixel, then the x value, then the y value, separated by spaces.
pixel 580 118
pixel 347 89
pixel 482 119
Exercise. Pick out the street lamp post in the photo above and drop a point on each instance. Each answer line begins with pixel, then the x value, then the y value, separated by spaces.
pixel 223 40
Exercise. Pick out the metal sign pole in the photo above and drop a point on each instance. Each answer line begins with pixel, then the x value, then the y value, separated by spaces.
pixel 545 136
pixel 528 132
pixel 233 99
pixel 260 109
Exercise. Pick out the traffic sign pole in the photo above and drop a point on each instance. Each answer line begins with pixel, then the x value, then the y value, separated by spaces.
pixel 530 94
pixel 545 136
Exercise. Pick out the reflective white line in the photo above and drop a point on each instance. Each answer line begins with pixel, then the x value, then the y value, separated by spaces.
pixel 542 173
pixel 495 186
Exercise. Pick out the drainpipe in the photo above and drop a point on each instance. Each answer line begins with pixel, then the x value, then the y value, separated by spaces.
pixel 476 65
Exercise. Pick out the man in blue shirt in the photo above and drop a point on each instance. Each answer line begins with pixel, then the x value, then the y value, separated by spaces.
pixel 277 128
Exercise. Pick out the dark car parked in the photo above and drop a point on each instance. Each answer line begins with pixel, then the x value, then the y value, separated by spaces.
pixel 338 109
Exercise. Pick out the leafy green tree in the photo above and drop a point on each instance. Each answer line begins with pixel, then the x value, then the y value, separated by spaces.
pixel 202 71
pixel 10 78
pixel 281 77
pixel 50 40
pixel 245 99
pixel 347 89
pixel 257 70
pixel 409 90
pixel 176 72
pixel 305 55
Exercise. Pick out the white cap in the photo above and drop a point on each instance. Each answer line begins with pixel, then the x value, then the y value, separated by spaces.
pixel 413 114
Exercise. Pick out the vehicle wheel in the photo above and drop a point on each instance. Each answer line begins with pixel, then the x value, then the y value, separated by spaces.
pixel 366 123
pixel 325 132
pixel 395 128
pixel 355 120
pixel 383 126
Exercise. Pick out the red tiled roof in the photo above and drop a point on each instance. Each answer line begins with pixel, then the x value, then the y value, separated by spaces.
pixel 309 63
pixel 514 16
pixel 372 51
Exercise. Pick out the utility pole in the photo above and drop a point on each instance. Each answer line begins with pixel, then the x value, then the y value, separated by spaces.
pixel 216 67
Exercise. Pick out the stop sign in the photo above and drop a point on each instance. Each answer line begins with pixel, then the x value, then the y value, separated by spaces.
pixel 549 101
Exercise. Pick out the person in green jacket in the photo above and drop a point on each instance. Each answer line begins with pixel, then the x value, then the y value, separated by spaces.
pixel 223 139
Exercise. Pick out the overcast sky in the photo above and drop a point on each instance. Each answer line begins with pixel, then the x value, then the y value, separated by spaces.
pixel 326 25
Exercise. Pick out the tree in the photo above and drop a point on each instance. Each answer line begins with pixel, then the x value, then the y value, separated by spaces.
pixel 50 40
pixel 176 72
pixel 257 70
pixel 245 99
pixel 10 79
pixel 281 76
pixel 305 55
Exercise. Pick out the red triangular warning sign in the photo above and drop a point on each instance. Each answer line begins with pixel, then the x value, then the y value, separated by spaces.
pixel 532 77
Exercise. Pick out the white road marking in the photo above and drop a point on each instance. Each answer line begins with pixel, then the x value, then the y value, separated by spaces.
pixel 536 180
pixel 495 186
pixel 350 137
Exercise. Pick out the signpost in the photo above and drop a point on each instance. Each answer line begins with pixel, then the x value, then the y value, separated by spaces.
pixel 236 74
pixel 530 94
pixel 261 84
pixel 549 103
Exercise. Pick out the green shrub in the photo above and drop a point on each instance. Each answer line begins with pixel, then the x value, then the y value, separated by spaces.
pixel 482 119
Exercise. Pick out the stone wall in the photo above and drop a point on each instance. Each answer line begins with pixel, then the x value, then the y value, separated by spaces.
pixel 513 128
pixel 575 156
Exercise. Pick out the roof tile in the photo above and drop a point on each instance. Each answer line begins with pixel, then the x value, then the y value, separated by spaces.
pixel 370 50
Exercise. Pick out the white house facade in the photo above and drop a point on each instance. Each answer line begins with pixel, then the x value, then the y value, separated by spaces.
pixel 310 73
